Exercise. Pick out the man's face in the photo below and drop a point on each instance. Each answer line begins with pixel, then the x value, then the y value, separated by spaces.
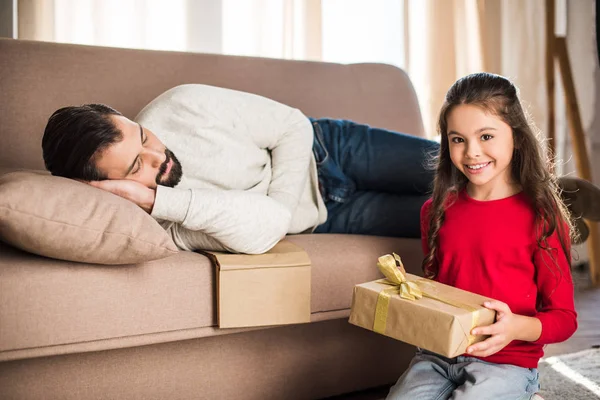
pixel 139 157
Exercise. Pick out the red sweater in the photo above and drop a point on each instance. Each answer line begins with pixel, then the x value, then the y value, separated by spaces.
pixel 489 248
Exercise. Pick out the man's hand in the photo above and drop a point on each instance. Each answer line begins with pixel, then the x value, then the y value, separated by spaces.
pixel 508 327
pixel 130 190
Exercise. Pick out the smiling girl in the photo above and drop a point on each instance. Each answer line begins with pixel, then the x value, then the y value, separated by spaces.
pixel 495 226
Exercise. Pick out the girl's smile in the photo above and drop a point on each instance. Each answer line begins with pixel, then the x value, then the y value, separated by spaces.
pixel 477 168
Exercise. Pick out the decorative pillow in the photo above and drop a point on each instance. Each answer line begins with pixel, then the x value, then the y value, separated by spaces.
pixel 68 220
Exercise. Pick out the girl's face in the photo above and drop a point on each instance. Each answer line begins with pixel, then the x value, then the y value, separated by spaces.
pixel 481 147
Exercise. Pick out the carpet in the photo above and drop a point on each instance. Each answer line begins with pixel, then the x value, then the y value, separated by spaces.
pixel 573 376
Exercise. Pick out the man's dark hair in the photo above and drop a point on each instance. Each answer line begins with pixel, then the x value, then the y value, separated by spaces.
pixel 73 137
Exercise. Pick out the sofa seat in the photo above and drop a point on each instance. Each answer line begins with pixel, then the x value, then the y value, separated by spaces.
pixel 51 307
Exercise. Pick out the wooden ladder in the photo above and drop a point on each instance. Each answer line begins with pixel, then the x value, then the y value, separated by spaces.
pixel 556 50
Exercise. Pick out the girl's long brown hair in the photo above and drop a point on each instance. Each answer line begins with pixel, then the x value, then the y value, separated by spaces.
pixel 498 96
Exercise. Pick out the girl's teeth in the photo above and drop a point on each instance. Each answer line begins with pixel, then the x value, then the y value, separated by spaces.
pixel 478 166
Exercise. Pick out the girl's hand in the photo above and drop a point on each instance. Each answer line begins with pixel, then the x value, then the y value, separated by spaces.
pixel 502 332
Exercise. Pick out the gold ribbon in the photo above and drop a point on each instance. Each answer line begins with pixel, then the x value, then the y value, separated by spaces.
pixel 392 268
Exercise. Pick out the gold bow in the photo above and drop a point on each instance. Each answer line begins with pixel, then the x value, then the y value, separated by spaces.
pixel 395 275
pixel 392 268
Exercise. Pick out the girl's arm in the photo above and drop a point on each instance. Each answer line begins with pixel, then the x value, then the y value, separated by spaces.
pixel 556 319
pixel 555 293
pixel 425 209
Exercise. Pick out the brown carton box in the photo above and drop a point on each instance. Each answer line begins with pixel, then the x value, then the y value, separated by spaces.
pixel 265 289
pixel 440 321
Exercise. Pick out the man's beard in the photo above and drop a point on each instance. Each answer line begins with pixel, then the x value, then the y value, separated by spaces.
pixel 174 175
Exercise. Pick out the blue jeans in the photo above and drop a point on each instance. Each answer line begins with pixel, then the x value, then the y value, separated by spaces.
pixel 373 181
pixel 433 377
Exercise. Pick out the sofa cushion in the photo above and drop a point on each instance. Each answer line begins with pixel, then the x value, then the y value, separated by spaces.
pixel 50 307
pixel 68 220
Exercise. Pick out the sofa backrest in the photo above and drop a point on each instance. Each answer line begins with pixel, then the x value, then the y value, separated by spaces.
pixel 36 78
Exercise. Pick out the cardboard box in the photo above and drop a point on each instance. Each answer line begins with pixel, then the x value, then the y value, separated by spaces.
pixel 265 289
pixel 429 322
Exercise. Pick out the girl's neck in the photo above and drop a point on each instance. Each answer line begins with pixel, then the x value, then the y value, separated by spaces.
pixel 495 192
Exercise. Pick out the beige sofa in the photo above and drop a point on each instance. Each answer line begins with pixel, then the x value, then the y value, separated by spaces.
pixel 147 331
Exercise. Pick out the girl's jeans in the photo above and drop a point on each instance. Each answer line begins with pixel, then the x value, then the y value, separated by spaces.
pixel 433 377
pixel 373 181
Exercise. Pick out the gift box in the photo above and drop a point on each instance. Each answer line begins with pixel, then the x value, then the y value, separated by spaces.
pixel 264 289
pixel 419 311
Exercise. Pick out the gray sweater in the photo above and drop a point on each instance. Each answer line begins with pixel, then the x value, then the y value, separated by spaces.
pixel 249 174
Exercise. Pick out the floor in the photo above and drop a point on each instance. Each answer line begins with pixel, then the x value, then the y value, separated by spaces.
pixel 587 302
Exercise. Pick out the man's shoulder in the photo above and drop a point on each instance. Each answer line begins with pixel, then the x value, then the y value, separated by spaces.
pixel 187 99
pixel 195 96
pixel 198 90
pixel 195 90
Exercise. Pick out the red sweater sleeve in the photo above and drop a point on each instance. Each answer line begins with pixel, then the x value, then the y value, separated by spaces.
pixel 555 288
pixel 425 225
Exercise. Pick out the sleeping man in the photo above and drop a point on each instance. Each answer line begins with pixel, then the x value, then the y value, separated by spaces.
pixel 227 170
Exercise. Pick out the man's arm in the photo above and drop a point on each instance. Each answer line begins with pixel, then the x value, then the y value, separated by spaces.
pixel 241 220
pixel 238 221
pixel 210 219
pixel 191 114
